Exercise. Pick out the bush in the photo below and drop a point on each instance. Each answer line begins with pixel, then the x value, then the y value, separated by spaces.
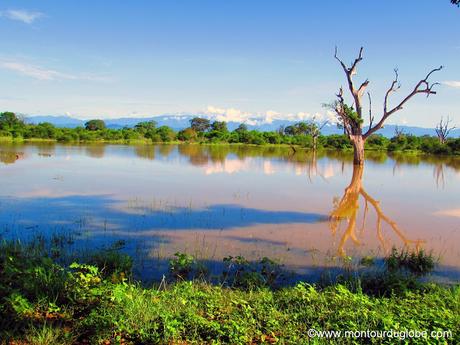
pixel 417 262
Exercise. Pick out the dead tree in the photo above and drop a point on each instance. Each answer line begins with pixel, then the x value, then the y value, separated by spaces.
pixel 315 131
pixel 399 132
pixel 351 117
pixel 443 129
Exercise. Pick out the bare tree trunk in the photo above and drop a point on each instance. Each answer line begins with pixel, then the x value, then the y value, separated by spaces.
pixel 358 148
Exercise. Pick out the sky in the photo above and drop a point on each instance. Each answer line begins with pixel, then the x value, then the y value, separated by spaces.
pixel 110 59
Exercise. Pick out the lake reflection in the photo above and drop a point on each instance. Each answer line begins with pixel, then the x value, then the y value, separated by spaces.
pixel 216 201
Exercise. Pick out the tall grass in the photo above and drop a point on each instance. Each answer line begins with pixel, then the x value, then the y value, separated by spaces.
pixel 97 302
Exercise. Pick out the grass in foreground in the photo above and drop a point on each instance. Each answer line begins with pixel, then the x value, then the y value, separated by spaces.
pixel 46 303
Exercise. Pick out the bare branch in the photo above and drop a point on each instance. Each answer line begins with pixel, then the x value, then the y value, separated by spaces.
pixel 371 118
pixel 443 129
pixel 349 72
pixel 341 62
pixel 324 124
pixel 395 85
pixel 423 86
pixel 340 111
pixel 362 88
pixel 352 69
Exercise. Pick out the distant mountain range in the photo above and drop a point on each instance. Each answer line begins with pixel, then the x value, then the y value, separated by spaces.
pixel 178 122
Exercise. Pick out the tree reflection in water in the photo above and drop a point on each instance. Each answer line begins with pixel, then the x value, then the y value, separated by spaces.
pixel 10 157
pixel 347 209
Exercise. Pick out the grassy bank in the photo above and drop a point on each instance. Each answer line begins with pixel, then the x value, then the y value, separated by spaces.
pixel 97 302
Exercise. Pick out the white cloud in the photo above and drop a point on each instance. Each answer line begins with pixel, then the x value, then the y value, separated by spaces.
pixel 24 16
pixel 254 119
pixel 41 73
pixel 33 71
pixel 452 83
pixel 230 115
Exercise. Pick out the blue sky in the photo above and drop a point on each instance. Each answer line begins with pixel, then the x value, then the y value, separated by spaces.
pixel 234 58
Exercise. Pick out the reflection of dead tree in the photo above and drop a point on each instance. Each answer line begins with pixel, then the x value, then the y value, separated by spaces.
pixel 395 168
pixel 443 129
pixel 347 208
pixel 438 173
pixel 9 157
pixel 312 168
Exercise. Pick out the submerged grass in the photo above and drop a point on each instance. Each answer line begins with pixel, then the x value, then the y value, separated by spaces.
pixel 97 302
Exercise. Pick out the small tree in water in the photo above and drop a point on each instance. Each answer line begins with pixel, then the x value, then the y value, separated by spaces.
pixel 351 117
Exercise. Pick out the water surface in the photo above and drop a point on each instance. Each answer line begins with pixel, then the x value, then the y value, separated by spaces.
pixel 306 210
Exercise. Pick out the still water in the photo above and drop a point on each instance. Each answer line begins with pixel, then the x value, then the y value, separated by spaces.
pixel 305 210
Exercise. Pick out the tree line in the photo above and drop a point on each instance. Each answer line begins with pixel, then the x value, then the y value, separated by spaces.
pixel 302 134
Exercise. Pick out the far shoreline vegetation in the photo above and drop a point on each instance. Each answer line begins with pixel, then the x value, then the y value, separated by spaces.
pixel 305 135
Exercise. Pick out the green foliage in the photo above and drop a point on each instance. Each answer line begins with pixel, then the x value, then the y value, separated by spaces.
pixel 219 126
pixel 80 304
pixel 377 142
pixel 352 115
pixel 188 134
pixel 302 134
pixel 47 334
pixel 12 124
pixel 9 120
pixel 335 142
pixel 416 262
pixel 242 128
pixel 303 128
pixel 163 134
pixel 95 125
pixel 199 124
pixel 240 273
pixel 145 127
pixel 182 266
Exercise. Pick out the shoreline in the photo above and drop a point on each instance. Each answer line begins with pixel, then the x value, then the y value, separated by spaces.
pixel 135 142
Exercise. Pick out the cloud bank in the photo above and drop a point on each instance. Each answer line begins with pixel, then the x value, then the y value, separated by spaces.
pixel 254 119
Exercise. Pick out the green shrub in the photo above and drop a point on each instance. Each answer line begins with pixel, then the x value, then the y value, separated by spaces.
pixel 416 262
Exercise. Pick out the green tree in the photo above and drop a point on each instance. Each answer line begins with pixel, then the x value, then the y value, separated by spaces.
pixel 241 128
pixel 187 134
pixel 9 120
pixel 95 125
pixel 199 124
pixel 145 126
pixel 290 130
pixel 43 130
pixel 219 126
pixel 164 133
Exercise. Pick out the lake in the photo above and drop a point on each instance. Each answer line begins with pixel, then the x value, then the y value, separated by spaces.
pixel 306 210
